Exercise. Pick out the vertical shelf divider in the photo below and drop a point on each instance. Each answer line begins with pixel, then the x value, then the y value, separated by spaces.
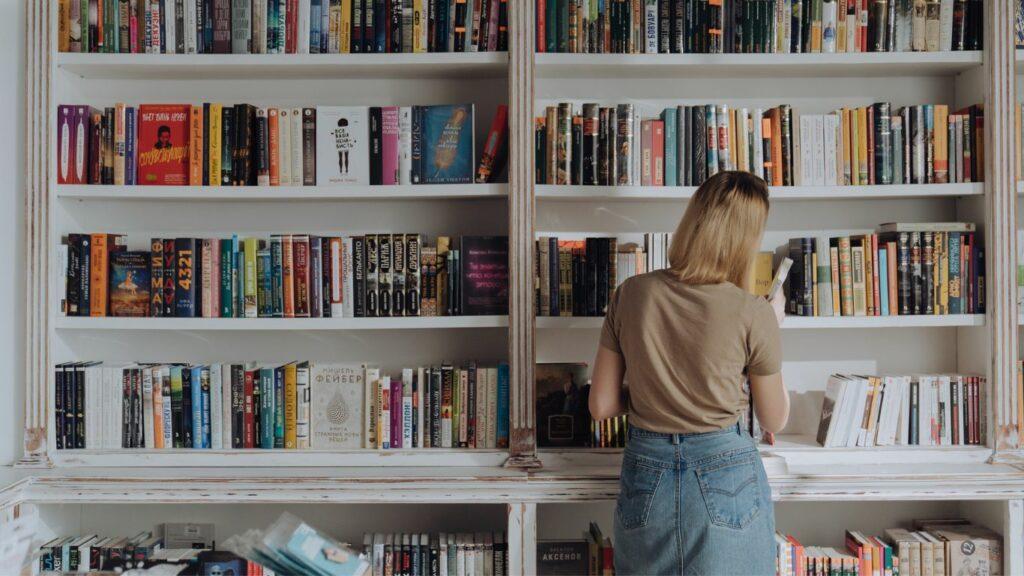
pixel 521 207
pixel 39 30
pixel 1001 200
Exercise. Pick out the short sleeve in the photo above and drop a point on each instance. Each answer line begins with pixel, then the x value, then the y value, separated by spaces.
pixel 763 341
pixel 610 330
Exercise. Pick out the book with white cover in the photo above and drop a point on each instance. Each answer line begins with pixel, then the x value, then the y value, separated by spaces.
pixel 342 146
pixel 336 401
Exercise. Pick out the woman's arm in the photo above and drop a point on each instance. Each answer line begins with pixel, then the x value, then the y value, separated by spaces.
pixel 771 401
pixel 606 385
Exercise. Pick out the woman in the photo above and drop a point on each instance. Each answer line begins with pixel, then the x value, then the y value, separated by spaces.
pixel 694 497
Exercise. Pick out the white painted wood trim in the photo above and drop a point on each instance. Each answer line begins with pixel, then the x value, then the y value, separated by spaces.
pixel 232 66
pixel 38 48
pixel 593 193
pixel 521 211
pixel 618 66
pixel 1013 537
pixel 270 458
pixel 1001 221
pixel 282 193
pixel 801 322
pixel 522 538
pixel 282 324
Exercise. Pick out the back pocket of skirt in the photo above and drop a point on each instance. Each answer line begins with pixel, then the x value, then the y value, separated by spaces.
pixel 637 485
pixel 731 491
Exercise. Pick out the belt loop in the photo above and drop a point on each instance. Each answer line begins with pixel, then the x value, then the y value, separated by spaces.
pixel 739 430
pixel 677 439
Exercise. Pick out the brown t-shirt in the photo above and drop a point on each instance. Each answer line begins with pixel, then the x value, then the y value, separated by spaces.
pixel 687 349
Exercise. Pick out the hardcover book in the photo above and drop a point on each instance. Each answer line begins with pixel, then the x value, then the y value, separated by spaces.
pixel 336 401
pixel 563 417
pixel 342 146
pixel 485 275
pixel 129 284
pixel 163 144
pixel 447 144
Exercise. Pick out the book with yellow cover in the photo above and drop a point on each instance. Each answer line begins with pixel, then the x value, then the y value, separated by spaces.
pixel 214 137
pixel 846 275
pixel 940 164
pixel 762 276
pixel 195 146
pixel 290 406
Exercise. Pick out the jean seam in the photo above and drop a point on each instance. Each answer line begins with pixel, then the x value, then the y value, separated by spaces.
pixel 706 491
pixel 678 470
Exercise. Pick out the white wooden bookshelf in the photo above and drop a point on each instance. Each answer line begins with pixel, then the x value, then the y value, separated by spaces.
pixel 505 488
pixel 282 193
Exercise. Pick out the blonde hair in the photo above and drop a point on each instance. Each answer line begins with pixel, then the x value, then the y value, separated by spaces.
pixel 719 234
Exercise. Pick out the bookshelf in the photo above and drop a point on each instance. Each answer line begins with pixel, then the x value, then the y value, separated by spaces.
pixel 538 485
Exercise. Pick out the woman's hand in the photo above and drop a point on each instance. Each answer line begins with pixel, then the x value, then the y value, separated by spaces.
pixel 779 306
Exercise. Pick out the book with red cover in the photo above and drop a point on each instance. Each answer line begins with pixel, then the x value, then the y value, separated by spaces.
pixel 492 160
pixel 163 144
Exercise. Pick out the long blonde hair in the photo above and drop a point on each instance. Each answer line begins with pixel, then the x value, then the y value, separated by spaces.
pixel 719 234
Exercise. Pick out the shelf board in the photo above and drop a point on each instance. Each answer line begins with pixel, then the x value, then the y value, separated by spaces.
pixel 282 193
pixel 801 322
pixel 588 193
pixel 799 451
pixel 278 458
pixel 464 65
pixel 854 65
pixel 282 324
pixel 449 484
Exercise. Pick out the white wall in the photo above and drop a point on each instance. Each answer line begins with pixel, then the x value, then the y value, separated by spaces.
pixel 12 245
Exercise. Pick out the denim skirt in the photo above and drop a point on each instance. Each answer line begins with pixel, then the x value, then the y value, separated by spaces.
pixel 695 504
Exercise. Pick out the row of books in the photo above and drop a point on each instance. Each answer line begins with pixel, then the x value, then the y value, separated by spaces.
pixel 296 405
pixel 592 555
pixel 905 269
pixel 277 26
pixel 285 276
pixel 441 554
pixel 937 546
pixel 684 145
pixel 758 26
pixel 919 410
pixel 187 545
pixel 578 277
pixel 216 144
pixel 563 413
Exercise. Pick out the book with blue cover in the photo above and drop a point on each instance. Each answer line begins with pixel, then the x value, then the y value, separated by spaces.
pixel 443 144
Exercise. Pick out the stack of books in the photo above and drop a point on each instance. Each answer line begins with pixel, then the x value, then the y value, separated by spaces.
pixel 758 26
pixel 215 144
pixel 260 27
pixel 285 276
pixel 684 145
pixel 905 269
pixel 296 405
